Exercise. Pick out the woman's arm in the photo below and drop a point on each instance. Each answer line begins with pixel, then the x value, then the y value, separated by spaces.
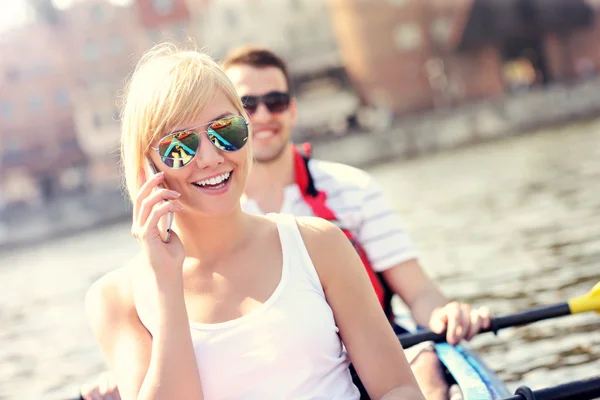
pixel 144 367
pixel 164 366
pixel 372 345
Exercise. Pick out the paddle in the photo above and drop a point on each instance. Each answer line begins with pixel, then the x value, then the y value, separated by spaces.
pixel 585 389
pixel 577 390
pixel 588 302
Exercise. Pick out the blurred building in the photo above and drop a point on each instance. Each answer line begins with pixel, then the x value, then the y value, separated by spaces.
pixel 165 20
pixel 414 55
pixel 62 76
pixel 107 40
pixel 299 30
pixel 103 41
pixel 40 152
pixel 78 60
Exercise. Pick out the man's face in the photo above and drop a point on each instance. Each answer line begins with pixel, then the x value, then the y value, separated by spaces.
pixel 271 129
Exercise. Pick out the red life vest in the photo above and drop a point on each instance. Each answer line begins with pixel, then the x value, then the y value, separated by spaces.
pixel 316 200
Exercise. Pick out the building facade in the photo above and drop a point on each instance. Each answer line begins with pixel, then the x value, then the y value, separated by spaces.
pixel 41 156
pixel 415 55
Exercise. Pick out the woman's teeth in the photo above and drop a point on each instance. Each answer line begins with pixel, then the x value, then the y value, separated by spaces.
pixel 214 182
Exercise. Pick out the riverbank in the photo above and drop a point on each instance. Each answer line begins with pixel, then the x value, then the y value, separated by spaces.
pixel 562 106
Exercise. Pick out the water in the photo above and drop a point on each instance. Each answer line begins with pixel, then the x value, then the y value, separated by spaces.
pixel 511 225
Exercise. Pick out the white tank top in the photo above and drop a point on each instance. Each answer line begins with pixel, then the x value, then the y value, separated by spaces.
pixel 288 348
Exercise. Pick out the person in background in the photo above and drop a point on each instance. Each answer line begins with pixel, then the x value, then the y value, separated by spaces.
pixel 285 179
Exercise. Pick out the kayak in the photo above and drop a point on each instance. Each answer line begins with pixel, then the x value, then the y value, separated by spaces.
pixel 476 380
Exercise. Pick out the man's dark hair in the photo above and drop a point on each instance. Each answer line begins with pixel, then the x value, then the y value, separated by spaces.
pixel 258 57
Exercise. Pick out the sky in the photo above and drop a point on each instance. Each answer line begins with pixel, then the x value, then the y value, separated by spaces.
pixel 12 13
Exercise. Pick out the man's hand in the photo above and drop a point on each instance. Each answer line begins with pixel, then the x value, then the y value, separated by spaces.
pixel 460 321
pixel 104 388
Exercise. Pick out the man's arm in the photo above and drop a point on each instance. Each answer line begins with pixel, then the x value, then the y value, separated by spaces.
pixel 416 289
pixel 429 307
pixel 390 249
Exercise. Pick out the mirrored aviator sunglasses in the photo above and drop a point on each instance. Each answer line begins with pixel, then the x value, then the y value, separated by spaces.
pixel 178 149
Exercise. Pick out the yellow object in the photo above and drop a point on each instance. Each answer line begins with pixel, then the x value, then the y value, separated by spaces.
pixel 587 302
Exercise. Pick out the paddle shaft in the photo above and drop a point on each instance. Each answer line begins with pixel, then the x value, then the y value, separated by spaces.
pixel 586 389
pixel 522 318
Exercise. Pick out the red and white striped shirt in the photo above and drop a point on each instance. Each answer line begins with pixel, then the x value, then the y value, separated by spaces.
pixel 360 206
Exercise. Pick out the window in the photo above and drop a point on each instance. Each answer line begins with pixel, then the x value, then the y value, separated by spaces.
pixel 230 17
pixel 179 30
pixel 38 68
pixel 61 97
pixel 12 144
pixel 292 37
pixel 13 150
pixel 90 51
pixel 35 102
pixel 97 13
pixel 154 35
pixel 97 121
pixel 12 75
pixel 408 36
pixel 117 45
pixel 5 110
pixel 69 144
pixel 316 33
pixel 163 7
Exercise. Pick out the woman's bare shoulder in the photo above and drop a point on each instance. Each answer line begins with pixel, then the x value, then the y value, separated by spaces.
pixel 327 245
pixel 315 227
pixel 111 296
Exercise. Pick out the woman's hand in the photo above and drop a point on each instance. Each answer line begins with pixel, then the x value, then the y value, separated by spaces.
pixel 166 259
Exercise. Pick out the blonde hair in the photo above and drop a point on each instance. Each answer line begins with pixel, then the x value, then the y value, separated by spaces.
pixel 169 87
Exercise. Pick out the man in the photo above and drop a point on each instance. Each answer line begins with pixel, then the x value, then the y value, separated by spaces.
pixel 262 80
pixel 283 180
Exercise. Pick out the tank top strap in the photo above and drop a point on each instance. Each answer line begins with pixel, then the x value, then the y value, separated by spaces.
pixel 294 251
pixel 293 247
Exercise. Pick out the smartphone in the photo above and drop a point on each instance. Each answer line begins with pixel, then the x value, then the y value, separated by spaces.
pixel 165 222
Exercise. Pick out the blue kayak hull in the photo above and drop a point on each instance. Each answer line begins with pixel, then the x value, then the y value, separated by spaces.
pixel 476 380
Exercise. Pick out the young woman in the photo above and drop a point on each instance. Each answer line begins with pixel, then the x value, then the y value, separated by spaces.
pixel 231 306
